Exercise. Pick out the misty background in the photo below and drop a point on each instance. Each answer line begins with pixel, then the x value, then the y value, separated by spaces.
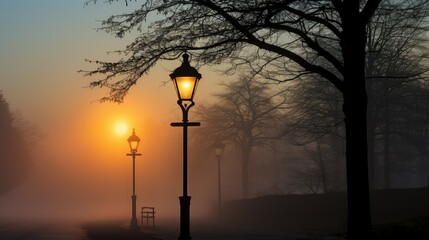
pixel 77 166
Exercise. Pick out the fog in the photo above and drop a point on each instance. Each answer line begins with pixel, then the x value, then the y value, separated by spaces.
pixel 80 170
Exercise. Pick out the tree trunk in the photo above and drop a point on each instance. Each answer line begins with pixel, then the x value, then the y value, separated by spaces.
pixel 358 204
pixel 427 168
pixel 245 171
pixel 371 118
pixel 355 118
pixel 386 138
pixel 323 177
pixel 371 153
pixel 338 154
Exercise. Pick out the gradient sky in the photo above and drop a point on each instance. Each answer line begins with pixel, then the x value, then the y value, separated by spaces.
pixel 43 44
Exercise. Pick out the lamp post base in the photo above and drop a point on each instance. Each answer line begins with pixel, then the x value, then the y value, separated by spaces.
pixel 134 226
pixel 185 202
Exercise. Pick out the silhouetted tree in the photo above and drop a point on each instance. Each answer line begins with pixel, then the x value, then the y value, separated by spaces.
pixel 15 160
pixel 244 111
pixel 396 59
pixel 313 172
pixel 407 137
pixel 261 33
pixel 316 119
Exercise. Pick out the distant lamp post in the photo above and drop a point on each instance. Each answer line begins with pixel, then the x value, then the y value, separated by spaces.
pixel 185 79
pixel 134 141
pixel 218 148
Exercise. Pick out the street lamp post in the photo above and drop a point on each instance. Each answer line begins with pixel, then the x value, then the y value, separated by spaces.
pixel 219 147
pixel 134 141
pixel 185 79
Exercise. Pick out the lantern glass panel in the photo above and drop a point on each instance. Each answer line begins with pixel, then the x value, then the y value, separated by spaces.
pixel 186 87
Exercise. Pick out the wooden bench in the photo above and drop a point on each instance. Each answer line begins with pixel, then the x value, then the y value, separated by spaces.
pixel 148 213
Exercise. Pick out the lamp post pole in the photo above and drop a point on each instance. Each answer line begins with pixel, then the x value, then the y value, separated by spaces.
pixel 219 187
pixel 219 147
pixel 133 141
pixel 185 79
pixel 185 200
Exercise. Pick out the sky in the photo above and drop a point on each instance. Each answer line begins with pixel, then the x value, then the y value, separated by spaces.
pixel 80 160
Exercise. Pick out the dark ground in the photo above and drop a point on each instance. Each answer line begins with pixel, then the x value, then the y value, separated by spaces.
pixel 401 214
pixel 415 229
pixel 397 215
pixel 114 230
pixel 395 212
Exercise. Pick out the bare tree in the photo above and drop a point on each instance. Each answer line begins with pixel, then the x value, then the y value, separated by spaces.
pixel 244 111
pixel 316 118
pixel 395 65
pixel 313 171
pixel 397 52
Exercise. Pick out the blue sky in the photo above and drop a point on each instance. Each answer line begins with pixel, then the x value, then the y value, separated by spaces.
pixel 44 43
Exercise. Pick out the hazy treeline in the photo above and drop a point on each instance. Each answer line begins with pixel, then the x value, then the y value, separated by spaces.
pixel 298 127
pixel 293 139
pixel 16 135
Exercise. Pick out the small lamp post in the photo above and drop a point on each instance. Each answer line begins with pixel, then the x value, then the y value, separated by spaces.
pixel 185 79
pixel 134 141
pixel 218 148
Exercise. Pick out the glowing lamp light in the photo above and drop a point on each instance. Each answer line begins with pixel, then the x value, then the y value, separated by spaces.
pixel 218 147
pixel 185 79
pixel 133 141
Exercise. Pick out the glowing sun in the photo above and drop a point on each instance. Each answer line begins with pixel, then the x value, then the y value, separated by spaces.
pixel 121 128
